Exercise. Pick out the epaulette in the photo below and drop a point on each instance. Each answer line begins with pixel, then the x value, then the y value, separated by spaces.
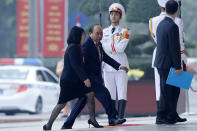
pixel 151 27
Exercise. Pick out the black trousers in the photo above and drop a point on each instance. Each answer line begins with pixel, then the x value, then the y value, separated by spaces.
pixel 168 97
pixel 103 95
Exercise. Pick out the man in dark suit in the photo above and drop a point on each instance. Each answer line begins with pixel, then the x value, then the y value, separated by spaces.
pixel 94 55
pixel 167 56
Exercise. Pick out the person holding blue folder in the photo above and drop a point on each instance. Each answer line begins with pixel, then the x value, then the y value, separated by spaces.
pixel 153 24
pixel 167 56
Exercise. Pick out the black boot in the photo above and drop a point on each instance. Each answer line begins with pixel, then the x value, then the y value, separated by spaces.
pixel 121 109
pixel 114 108
pixel 157 104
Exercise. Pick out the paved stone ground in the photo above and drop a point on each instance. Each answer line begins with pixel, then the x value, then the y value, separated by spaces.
pixel 35 123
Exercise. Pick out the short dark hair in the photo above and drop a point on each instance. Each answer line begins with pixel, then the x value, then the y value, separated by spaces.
pixel 171 7
pixel 75 35
pixel 92 28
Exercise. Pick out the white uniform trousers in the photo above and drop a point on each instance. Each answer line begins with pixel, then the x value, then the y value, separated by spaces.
pixel 116 83
pixel 157 84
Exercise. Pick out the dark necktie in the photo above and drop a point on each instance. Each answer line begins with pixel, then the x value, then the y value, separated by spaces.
pixel 112 30
pixel 97 47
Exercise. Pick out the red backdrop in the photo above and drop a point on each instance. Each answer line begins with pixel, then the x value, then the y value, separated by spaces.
pixel 54 18
pixel 22 27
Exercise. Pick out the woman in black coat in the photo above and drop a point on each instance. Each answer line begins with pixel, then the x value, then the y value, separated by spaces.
pixel 74 82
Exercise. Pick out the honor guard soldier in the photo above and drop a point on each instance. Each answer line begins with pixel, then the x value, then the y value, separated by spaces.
pixel 115 40
pixel 153 23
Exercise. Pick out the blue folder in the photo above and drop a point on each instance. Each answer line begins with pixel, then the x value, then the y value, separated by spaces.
pixel 182 81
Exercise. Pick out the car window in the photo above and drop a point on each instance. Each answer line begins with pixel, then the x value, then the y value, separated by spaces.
pixel 40 76
pixel 14 74
pixel 50 78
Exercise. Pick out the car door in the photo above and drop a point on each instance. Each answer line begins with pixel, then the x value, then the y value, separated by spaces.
pixel 43 86
pixel 53 87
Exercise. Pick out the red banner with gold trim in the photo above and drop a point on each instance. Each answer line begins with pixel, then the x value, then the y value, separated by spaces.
pixel 22 27
pixel 54 17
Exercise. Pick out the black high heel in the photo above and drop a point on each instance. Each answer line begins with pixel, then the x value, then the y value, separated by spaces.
pixel 96 125
pixel 45 128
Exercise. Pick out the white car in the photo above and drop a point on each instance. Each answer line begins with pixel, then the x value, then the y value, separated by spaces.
pixel 27 88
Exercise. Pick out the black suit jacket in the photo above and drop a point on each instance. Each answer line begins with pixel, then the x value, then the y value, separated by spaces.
pixel 168 45
pixel 93 62
pixel 73 65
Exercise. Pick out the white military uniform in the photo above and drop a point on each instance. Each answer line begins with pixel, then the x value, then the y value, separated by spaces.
pixel 114 45
pixel 153 23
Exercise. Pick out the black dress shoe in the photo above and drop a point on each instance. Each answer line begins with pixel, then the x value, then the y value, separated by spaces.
pixel 179 119
pixel 66 127
pixel 165 121
pixel 121 121
pixel 113 122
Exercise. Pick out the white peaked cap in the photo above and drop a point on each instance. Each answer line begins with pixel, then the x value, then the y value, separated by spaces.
pixel 117 7
pixel 162 3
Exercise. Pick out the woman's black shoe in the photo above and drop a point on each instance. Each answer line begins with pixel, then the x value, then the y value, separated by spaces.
pixel 96 125
pixel 45 128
